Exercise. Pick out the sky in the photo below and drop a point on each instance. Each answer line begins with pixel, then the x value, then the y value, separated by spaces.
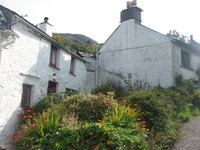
pixel 98 19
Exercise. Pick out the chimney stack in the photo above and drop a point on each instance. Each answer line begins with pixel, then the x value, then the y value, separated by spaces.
pixel 46 20
pixel 46 27
pixel 132 12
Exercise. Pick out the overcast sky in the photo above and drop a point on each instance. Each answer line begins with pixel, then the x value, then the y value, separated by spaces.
pixel 99 18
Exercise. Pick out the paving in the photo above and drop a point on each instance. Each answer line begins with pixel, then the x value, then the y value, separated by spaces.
pixel 189 137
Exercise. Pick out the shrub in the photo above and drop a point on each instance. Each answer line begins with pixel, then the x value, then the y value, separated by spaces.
pixel 160 108
pixel 196 98
pixel 88 107
pixel 46 101
pixel 112 86
pixel 185 116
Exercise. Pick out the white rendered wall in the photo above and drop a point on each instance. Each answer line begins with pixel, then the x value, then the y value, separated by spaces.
pixel 179 69
pixel 27 62
pixel 136 49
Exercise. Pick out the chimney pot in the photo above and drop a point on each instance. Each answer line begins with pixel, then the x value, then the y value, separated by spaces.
pixel 46 20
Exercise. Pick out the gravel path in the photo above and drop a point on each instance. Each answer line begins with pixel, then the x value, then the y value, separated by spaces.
pixel 189 138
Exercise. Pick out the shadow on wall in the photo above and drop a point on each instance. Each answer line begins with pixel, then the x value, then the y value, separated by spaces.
pixel 37 76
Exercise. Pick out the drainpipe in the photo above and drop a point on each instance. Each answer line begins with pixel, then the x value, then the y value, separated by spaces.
pixel 97 68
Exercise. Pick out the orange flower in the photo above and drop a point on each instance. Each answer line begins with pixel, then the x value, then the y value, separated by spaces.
pixel 29 110
pixel 123 101
pixel 108 142
pixel 147 130
pixel 143 121
pixel 109 133
pixel 135 104
pixel 81 126
pixel 101 121
pixel 35 119
pixel 138 119
pixel 46 120
pixel 137 124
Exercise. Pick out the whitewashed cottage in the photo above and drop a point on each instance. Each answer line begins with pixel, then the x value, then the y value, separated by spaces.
pixel 142 54
pixel 33 64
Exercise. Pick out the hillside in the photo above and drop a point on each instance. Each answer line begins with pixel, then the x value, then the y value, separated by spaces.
pixel 79 37
pixel 77 42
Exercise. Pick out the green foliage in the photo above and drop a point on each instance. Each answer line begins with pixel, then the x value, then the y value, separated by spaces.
pixel 196 98
pixel 48 100
pixel 190 85
pixel 149 119
pixel 160 108
pixel 113 86
pixel 76 45
pixel 185 116
pixel 176 35
pixel 107 125
pixel 88 107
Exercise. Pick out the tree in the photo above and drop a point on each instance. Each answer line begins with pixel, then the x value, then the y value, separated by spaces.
pixel 176 35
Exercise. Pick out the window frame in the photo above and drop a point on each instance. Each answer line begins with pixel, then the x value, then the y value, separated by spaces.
pixel 185 59
pixel 72 70
pixel 50 85
pixel 53 56
pixel 26 96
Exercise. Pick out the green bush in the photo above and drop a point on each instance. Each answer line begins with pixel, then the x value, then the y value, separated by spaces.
pixel 196 98
pixel 104 124
pixel 185 116
pixel 46 101
pixel 88 107
pixel 112 86
pixel 160 108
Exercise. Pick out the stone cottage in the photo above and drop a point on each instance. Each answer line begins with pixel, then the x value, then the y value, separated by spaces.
pixel 142 54
pixel 33 64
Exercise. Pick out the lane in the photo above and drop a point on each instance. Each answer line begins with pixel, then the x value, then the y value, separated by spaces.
pixel 189 138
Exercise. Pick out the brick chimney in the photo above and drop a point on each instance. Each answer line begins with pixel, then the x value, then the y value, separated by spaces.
pixel 46 27
pixel 132 12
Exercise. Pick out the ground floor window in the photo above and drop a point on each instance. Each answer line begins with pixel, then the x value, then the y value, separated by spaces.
pixel 26 96
pixel 52 86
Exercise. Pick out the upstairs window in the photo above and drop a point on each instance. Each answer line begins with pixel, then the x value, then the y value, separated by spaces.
pixel 73 66
pixel 26 96
pixel 185 59
pixel 54 56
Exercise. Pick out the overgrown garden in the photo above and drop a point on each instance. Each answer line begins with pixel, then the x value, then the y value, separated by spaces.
pixel 111 118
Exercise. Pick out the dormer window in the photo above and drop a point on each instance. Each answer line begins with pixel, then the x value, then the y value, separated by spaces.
pixel 54 56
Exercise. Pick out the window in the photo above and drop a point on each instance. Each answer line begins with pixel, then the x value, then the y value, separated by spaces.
pixel 53 56
pixel 26 96
pixel 185 59
pixel 52 87
pixel 73 66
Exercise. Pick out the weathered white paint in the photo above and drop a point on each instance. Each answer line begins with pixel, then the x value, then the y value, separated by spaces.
pixel 138 50
pixel 27 62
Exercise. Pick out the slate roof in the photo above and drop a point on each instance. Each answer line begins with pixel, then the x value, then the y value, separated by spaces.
pixel 6 17
pixel 192 46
